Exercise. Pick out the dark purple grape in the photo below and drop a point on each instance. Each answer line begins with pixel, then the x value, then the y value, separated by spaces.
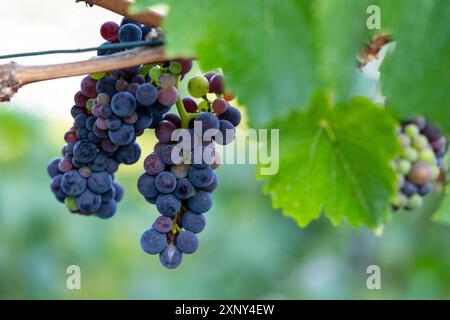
pixel 107 210
pixel 216 84
pixel 100 163
pixel 153 164
pixel 90 123
pixel 432 132
pixel 174 118
pixel 88 87
pixel 187 242
pixel 105 111
pixel 55 186
pixel 107 85
pixel 122 136
pixel 213 185
pixel 164 130
pixel 123 104
pixel 207 121
pixel 146 94
pixel 168 204
pixel 119 192
pixel 193 222
pixel 98 131
pixel 144 120
pixel 52 167
pixel 165 182
pixel 231 114
pixel 83 134
pixel 201 178
pixel 220 105
pixel 100 182
pixel 146 186
pixel 80 99
pixel 113 166
pixel 425 189
pixel 129 154
pixel 200 202
pixel 80 121
pixel 189 104
pixel 163 224
pixel 186 66
pixel 75 111
pixel 88 202
pixel 72 184
pixel 171 257
pixel 408 188
pixel 130 32
pixel 153 242
pixel 85 151
pixel 184 189
pixel 139 78
pixel 108 146
pixel 109 195
pixel 113 123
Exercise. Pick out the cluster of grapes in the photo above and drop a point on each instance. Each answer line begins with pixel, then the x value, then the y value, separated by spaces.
pixel 110 111
pixel 179 175
pixel 419 166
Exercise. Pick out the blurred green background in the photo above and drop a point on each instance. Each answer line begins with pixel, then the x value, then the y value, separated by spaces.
pixel 247 251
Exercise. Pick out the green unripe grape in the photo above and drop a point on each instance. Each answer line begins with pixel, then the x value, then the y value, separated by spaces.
pixel 71 204
pixel 414 202
pixel 98 75
pixel 198 86
pixel 89 105
pixel 411 154
pixel 203 106
pixel 399 200
pixel 175 67
pixel 400 180
pixel 427 156
pixel 145 69
pixel 155 72
pixel 420 142
pixel 412 130
pixel 403 166
pixel 435 172
pixel 404 140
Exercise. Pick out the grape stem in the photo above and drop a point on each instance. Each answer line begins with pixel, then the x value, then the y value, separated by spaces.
pixel 13 76
pixel 149 17
pixel 185 116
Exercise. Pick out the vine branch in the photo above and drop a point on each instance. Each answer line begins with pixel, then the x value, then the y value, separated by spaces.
pixel 13 76
pixel 121 7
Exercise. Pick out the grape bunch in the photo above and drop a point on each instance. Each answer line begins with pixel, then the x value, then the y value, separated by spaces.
pixel 179 175
pixel 420 164
pixel 111 110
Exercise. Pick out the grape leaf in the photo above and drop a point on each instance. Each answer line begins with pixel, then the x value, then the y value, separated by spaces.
pixel 274 53
pixel 417 78
pixel 336 160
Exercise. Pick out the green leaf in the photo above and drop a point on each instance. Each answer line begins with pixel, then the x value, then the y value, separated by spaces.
pixel 336 160
pixel 417 78
pixel 274 53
